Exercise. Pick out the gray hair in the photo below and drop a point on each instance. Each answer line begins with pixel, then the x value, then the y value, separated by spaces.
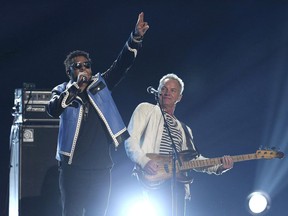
pixel 174 77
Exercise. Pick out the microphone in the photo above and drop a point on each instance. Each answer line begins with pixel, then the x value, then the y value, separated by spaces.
pixel 151 90
pixel 82 80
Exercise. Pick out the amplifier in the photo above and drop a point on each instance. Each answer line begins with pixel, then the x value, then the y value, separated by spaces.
pixel 33 185
pixel 31 106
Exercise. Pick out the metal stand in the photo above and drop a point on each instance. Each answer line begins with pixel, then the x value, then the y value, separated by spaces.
pixel 175 158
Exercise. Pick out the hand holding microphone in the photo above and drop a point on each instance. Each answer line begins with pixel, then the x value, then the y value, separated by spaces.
pixel 82 78
pixel 82 81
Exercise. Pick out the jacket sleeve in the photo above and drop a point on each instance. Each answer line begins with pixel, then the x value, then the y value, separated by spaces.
pixel 61 98
pixel 136 128
pixel 123 63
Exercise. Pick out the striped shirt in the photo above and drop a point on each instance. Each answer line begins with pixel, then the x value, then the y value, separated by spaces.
pixel 175 130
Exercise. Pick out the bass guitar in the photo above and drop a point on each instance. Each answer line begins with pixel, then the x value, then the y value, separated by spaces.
pixel 165 165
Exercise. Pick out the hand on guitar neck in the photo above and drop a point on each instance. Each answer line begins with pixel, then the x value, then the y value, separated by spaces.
pixel 227 164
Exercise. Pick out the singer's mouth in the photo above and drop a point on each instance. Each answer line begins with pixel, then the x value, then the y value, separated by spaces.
pixel 167 98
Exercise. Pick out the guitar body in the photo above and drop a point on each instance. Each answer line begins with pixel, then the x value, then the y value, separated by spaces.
pixel 165 170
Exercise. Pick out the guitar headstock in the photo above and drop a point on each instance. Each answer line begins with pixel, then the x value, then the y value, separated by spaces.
pixel 269 154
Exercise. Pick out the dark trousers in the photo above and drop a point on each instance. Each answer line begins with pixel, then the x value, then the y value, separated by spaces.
pixel 161 198
pixel 84 192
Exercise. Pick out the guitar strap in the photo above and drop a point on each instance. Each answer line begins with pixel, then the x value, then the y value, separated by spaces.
pixel 189 141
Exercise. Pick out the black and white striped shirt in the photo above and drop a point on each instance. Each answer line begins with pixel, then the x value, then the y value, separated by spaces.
pixel 175 130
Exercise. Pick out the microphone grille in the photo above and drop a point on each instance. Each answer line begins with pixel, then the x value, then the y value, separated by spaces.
pixel 149 89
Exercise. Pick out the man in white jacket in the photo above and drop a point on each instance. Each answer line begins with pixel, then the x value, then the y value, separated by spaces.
pixel 149 133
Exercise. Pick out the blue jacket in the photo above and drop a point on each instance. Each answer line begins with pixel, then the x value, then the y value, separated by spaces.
pixel 70 108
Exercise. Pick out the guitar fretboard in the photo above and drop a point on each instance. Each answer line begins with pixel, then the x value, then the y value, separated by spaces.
pixel 186 165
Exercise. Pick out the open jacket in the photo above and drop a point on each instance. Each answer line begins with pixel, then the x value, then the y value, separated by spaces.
pixel 69 107
pixel 146 128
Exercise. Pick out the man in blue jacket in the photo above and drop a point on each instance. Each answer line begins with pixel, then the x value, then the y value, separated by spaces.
pixel 89 123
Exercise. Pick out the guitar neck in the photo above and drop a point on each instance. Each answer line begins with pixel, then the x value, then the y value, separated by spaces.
pixel 186 165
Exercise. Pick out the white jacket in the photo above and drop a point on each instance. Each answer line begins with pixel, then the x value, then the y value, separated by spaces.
pixel 145 129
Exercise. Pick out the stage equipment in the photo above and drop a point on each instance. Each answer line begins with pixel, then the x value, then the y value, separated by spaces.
pixel 33 180
pixel 31 106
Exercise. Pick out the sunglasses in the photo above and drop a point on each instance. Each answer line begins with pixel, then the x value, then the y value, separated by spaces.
pixel 79 65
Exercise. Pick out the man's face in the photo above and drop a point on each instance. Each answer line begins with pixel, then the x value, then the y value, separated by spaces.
pixel 80 67
pixel 170 93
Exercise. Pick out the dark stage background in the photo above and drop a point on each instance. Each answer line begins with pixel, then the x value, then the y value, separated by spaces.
pixel 232 56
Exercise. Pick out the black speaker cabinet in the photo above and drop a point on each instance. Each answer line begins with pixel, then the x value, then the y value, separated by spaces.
pixel 34 186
